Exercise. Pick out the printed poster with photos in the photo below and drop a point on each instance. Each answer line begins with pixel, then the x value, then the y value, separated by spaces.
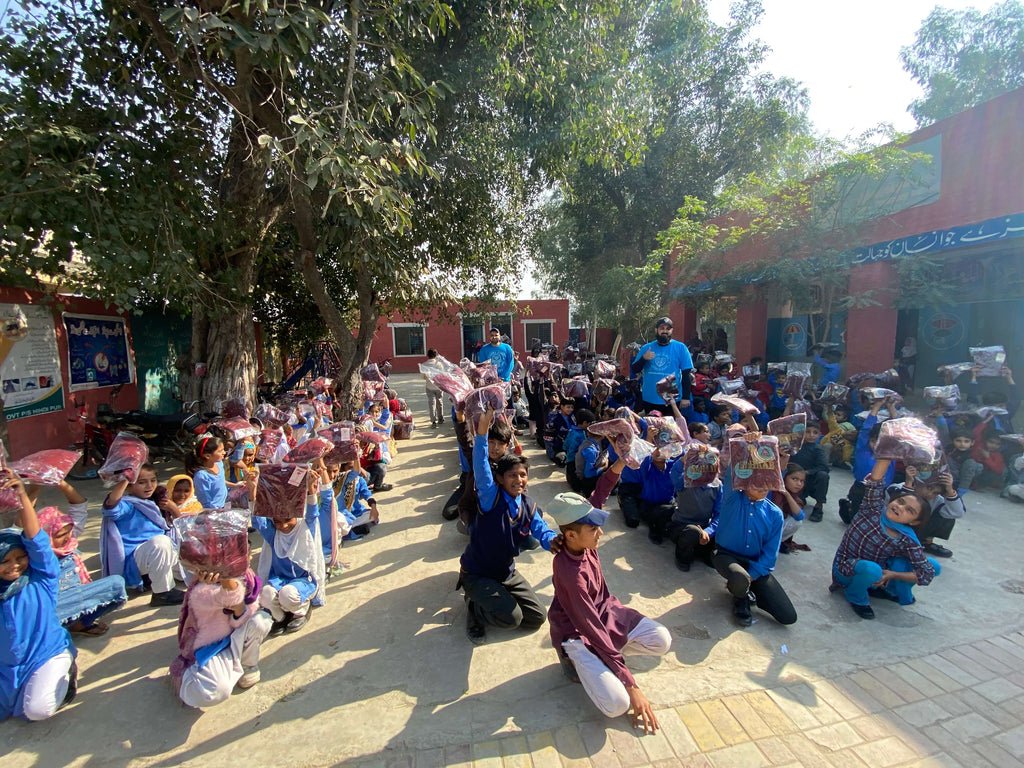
pixel 29 361
pixel 98 351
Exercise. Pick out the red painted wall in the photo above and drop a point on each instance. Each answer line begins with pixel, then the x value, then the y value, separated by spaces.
pixel 444 329
pixel 59 429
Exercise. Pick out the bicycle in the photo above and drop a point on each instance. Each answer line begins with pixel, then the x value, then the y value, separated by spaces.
pixel 96 437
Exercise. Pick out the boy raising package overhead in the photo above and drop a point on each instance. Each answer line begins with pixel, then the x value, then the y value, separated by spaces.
pixel 590 628
pixel 496 593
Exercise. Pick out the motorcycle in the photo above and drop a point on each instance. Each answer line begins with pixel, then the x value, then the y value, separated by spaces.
pixel 167 435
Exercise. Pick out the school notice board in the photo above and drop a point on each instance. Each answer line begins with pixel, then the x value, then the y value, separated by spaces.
pixel 29 361
pixel 98 351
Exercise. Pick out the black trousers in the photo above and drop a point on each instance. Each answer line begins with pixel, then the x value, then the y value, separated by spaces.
pixel 856 497
pixel 771 597
pixel 629 503
pixel 657 516
pixel 688 546
pixel 938 527
pixel 451 507
pixel 506 604
pixel 817 486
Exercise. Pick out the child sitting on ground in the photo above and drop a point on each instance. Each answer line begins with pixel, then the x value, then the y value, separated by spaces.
pixel 355 501
pixel 657 494
pixel 134 541
pixel 180 499
pixel 962 465
pixel 812 458
pixel 720 418
pixel 590 462
pixel 946 503
pixel 864 460
pixel 206 465
pixel 690 527
pixel 792 505
pixel 219 635
pixel 841 437
pixel 590 628
pixel 495 592
pixel 559 422
pixel 880 551
pixel 988 452
pixel 38 674
pixel 573 440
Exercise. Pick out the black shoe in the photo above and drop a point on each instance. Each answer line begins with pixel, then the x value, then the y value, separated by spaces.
pixel 882 594
pixel 475 629
pixel 938 550
pixel 170 597
pixel 297 623
pixel 632 522
pixel 569 669
pixel 383 488
pixel 845 513
pixel 361 530
pixel 816 514
pixel 530 543
pixel 450 513
pixel 682 565
pixel 741 611
pixel 277 628
pixel 72 686
pixel 864 611
pixel 655 536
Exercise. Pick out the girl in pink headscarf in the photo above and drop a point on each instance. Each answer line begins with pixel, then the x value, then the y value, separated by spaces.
pixel 80 601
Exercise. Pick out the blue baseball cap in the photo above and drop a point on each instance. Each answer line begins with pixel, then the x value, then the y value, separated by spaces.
pixel 569 508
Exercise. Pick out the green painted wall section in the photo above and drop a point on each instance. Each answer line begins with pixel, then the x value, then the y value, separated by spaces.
pixel 160 341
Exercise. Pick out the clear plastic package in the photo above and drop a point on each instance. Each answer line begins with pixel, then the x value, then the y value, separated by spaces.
pixel 372 372
pixel 909 440
pixel 270 441
pixel 237 427
pixel 216 541
pixel 125 457
pixel 48 467
pixel 989 360
pixel 668 388
pixel 281 491
pixel 576 387
pixel 310 450
pixel 700 465
pixel 736 403
pixel 789 430
pixel 754 459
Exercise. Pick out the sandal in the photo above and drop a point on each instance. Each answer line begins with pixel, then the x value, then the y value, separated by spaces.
pixel 96 630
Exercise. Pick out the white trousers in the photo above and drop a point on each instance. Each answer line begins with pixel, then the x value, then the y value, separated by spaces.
pixel 649 638
pixel 789 527
pixel 214 682
pixel 46 689
pixel 288 600
pixel 157 558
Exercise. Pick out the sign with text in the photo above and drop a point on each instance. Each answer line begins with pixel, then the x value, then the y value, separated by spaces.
pixel 29 361
pixel 98 351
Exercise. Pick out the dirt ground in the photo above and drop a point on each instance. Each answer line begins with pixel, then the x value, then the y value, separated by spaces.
pixel 386 666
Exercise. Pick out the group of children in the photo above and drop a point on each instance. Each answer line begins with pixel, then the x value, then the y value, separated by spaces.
pixel 47 593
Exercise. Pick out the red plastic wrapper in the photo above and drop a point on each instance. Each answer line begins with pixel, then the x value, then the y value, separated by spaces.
pixel 736 403
pixel 603 389
pixel 478 400
pixel 700 465
pixel 790 430
pixel 663 430
pixel 455 384
pixel 236 406
pixel 321 385
pixel 604 369
pixel 281 491
pixel 373 390
pixel 369 436
pixel 834 394
pixel 125 457
pixel 271 416
pixel 802 406
pixel 311 450
pixel 46 467
pixel 237 427
pixel 339 432
pixel 216 541
pixel 539 368
pixel 794 386
pixel 487 374
pixel 372 372
pixel 668 388
pixel 909 440
pixel 270 441
pixel 889 379
pixel 576 387
pixel 403 430
pixel 343 453
pixel 9 499
pixel 990 360
pixel 619 432
pixel 755 462
pixel 859 378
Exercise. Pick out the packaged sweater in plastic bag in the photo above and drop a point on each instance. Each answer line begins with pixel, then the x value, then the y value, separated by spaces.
pixel 48 467
pixel 731 386
pixel 235 406
pixel 989 360
pixel 310 450
pixel 736 403
pixel 321 385
pixel 603 389
pixel 125 457
pixel 662 430
pixel 578 386
pixel 271 416
pixel 372 372
pixel 604 369
pixel 908 439
pixel 700 465
pixel 215 541
pixel 343 453
pixel 281 491
pixel 339 432
pixel 951 392
pixel 878 393
pixel 373 390
pixel 790 430
pixel 237 427
pixel 955 369
pixel 668 388
pixel 638 451
pixel 270 441
pixel 478 401
pixel 755 462
pixel 620 433
pixel 834 394
pixel 454 383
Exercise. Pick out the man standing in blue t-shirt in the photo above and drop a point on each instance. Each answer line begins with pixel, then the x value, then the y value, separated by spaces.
pixel 658 359
pixel 498 353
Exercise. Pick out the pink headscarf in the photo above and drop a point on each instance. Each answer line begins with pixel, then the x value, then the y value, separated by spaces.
pixel 53 521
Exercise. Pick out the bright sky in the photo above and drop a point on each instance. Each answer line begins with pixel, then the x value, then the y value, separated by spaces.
pixel 847 55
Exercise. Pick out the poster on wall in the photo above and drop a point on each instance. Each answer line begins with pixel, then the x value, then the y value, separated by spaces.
pixel 29 361
pixel 98 351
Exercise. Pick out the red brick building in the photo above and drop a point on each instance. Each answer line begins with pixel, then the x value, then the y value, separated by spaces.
pixel 456 330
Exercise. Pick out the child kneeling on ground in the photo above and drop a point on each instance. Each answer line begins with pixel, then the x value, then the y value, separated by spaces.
pixel 590 628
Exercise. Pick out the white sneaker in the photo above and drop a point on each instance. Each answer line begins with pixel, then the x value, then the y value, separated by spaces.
pixel 1015 492
pixel 250 676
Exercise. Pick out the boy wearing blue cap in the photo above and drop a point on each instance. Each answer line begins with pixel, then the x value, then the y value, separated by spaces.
pixel 590 628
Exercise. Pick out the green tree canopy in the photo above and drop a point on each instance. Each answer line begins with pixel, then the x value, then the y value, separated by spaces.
pixel 962 58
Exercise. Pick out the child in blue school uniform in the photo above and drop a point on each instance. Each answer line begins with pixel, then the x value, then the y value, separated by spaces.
pixel 38 675
pixel 864 460
pixel 356 504
pixel 291 564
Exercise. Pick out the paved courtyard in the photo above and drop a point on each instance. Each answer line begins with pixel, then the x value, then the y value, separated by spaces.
pixel 384 675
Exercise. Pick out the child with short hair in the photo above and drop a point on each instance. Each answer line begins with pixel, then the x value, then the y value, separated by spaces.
pixel 881 547
pixel 828 361
pixel 812 458
pixel 690 527
pixel 590 462
pixel 134 540
pixel 584 417
pixel 500 438
pixel 355 502
pixel 720 418
pixel 657 495
pixel 962 465
pixel 560 421
pixel 590 628
pixel 496 594
pixel 839 441
pixel 38 674
pixel 699 431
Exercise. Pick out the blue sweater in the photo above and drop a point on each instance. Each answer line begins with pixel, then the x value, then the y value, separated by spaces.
pixel 750 529
pixel 657 488
pixel 864 457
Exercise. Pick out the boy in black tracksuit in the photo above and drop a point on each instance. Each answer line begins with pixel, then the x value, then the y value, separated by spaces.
pixel 812 458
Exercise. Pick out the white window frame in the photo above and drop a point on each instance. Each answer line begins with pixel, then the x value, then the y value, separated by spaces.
pixel 394 343
pixel 538 321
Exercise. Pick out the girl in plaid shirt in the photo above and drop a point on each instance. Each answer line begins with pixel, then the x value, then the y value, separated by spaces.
pixel 880 545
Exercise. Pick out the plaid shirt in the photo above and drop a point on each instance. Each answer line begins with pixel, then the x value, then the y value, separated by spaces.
pixel 866 539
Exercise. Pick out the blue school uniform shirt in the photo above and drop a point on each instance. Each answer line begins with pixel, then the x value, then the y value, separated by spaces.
pixel 501 356
pixel 591 452
pixel 831 371
pixel 657 483
pixel 778 400
pixel 750 529
pixel 669 359
pixel 864 457
pixel 135 528
pixel 31 634
pixel 572 442
pixel 283 570
pixel 362 495
pixel 211 489
pixel 326 520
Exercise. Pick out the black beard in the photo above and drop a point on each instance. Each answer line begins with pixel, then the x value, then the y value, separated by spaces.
pixel 663 340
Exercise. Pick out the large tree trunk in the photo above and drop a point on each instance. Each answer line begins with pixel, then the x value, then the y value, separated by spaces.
pixel 227 345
